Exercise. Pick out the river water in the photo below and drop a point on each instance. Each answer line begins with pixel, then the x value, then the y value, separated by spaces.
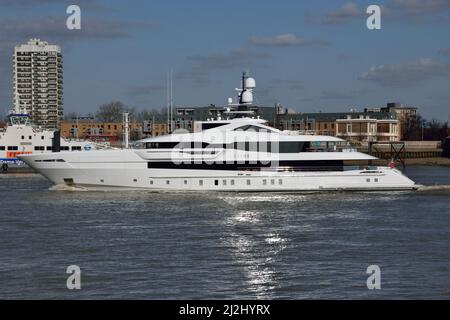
pixel 148 245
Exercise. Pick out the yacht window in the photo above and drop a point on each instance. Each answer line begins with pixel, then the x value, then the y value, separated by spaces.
pixel 376 179
pixel 275 147
pixel 200 182
pixel 134 180
pixel 272 181
pixel 292 147
pixel 224 182
pixel 13 148
pixel 185 181
pixel 280 181
pixel 23 137
pixel 167 182
pixel 151 181
pixel 49 148
pixel 29 137
pixel 42 137
pixel 206 126
pixel 252 128
pixel 232 182
pixel 264 182
pixel 216 182
pixel 248 182
pixel 367 180
pixel 2 147
pixel 76 148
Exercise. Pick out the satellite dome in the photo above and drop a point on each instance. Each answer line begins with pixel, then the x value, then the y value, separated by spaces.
pixel 247 97
pixel 250 83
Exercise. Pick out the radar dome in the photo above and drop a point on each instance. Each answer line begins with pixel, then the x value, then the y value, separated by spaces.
pixel 250 83
pixel 247 97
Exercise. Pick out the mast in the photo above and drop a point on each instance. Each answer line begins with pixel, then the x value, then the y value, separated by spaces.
pixel 171 101
pixel 125 129
pixel 168 104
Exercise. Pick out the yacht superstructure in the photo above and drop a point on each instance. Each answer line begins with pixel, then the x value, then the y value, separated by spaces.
pixel 238 152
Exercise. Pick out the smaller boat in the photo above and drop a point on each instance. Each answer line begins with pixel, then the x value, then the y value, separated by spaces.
pixel 21 137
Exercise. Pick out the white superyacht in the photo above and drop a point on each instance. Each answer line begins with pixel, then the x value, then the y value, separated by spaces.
pixel 235 152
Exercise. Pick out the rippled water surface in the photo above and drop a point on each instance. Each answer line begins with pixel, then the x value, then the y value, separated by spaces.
pixel 224 245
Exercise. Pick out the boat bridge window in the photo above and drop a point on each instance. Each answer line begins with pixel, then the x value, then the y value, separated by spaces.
pixel 273 147
pixel 178 145
pixel 2 147
pixel 13 148
pixel 206 126
pixel 252 128
pixel 39 148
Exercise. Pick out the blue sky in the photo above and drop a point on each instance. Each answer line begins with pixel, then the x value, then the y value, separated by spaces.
pixel 308 55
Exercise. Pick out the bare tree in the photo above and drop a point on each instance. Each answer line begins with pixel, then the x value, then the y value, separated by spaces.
pixel 110 112
pixel 70 116
pixel 148 114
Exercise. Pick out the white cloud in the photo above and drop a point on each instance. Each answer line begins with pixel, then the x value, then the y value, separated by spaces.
pixel 347 12
pixel 406 74
pixel 284 40
pixel 400 10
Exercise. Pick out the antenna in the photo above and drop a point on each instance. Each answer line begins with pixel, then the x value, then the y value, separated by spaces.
pixel 171 99
pixel 168 104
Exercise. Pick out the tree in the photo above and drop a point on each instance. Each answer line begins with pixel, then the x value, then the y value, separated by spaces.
pixel 70 116
pixel 436 130
pixel 412 128
pixel 110 112
pixel 148 114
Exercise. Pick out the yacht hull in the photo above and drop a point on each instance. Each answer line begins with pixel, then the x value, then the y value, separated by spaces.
pixel 101 176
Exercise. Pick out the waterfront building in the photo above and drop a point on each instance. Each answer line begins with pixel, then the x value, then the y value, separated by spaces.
pixel 406 115
pixel 85 128
pixel 38 82
pixel 366 128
